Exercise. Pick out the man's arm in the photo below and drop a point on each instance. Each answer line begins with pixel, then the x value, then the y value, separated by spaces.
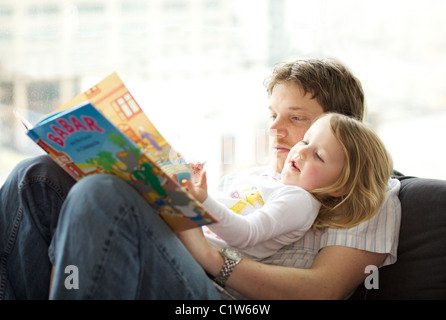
pixel 335 273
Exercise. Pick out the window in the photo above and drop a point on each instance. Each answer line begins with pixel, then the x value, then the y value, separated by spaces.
pixel 6 93
pixel 5 12
pixel 126 106
pixel 91 8
pixel 43 96
pixel 197 66
pixel 132 7
pixel 43 10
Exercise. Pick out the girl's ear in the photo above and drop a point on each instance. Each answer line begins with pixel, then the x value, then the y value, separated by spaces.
pixel 340 192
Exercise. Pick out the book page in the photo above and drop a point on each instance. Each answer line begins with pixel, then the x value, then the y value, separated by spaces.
pixel 113 99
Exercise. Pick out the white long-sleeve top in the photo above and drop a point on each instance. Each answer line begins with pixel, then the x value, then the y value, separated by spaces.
pixel 379 234
pixel 265 216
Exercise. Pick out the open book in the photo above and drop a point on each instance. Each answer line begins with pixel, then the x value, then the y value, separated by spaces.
pixel 103 130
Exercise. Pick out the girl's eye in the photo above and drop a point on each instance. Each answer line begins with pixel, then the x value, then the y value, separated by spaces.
pixel 273 117
pixel 304 142
pixel 319 157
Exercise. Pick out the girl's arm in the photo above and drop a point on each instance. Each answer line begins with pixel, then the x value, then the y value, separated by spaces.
pixel 289 214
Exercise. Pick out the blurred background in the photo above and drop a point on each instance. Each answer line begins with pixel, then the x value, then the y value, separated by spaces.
pixel 197 67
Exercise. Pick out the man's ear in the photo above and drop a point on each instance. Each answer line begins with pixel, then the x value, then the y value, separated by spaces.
pixel 340 192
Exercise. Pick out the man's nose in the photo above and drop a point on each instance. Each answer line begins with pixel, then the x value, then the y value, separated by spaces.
pixel 277 129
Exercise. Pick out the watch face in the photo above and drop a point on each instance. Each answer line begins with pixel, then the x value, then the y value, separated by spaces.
pixel 232 253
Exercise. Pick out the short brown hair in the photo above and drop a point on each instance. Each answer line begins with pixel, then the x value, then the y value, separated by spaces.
pixel 328 80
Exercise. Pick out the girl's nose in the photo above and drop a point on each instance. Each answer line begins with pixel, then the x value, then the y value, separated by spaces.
pixel 302 152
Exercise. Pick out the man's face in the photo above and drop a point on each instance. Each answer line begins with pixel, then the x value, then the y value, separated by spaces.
pixel 292 113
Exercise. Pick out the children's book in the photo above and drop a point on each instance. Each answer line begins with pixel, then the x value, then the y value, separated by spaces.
pixel 104 131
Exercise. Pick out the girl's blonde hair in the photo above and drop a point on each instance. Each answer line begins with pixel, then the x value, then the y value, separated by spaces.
pixel 368 167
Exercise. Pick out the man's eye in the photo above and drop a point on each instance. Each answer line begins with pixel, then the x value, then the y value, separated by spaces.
pixel 296 118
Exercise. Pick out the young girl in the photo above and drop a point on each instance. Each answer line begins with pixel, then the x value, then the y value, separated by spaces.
pixel 335 177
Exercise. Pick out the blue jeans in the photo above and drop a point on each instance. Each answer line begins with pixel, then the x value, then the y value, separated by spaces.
pixel 104 241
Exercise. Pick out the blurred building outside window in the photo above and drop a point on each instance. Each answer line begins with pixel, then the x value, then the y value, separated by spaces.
pixel 197 67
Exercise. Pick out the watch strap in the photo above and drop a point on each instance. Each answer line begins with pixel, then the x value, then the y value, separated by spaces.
pixel 225 271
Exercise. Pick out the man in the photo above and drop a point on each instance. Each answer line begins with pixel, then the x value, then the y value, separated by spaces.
pixel 104 231
pixel 326 265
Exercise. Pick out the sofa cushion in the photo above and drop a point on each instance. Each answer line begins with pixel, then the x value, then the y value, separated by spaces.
pixel 420 270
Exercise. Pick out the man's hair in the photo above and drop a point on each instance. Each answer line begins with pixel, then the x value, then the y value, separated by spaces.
pixel 328 80
pixel 365 175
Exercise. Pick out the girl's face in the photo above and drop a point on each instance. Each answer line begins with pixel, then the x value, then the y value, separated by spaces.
pixel 317 160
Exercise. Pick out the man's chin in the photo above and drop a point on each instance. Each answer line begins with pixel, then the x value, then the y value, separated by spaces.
pixel 278 160
pixel 277 165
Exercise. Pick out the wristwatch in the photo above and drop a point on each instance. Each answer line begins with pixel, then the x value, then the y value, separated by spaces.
pixel 232 258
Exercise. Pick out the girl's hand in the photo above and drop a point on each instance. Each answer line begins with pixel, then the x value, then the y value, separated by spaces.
pixel 200 189
pixel 197 168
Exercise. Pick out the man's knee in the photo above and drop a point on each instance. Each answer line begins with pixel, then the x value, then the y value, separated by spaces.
pixel 37 167
pixel 99 184
pixel 37 162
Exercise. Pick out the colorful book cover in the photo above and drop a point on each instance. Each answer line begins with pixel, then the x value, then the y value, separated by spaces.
pixel 113 99
pixel 83 141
